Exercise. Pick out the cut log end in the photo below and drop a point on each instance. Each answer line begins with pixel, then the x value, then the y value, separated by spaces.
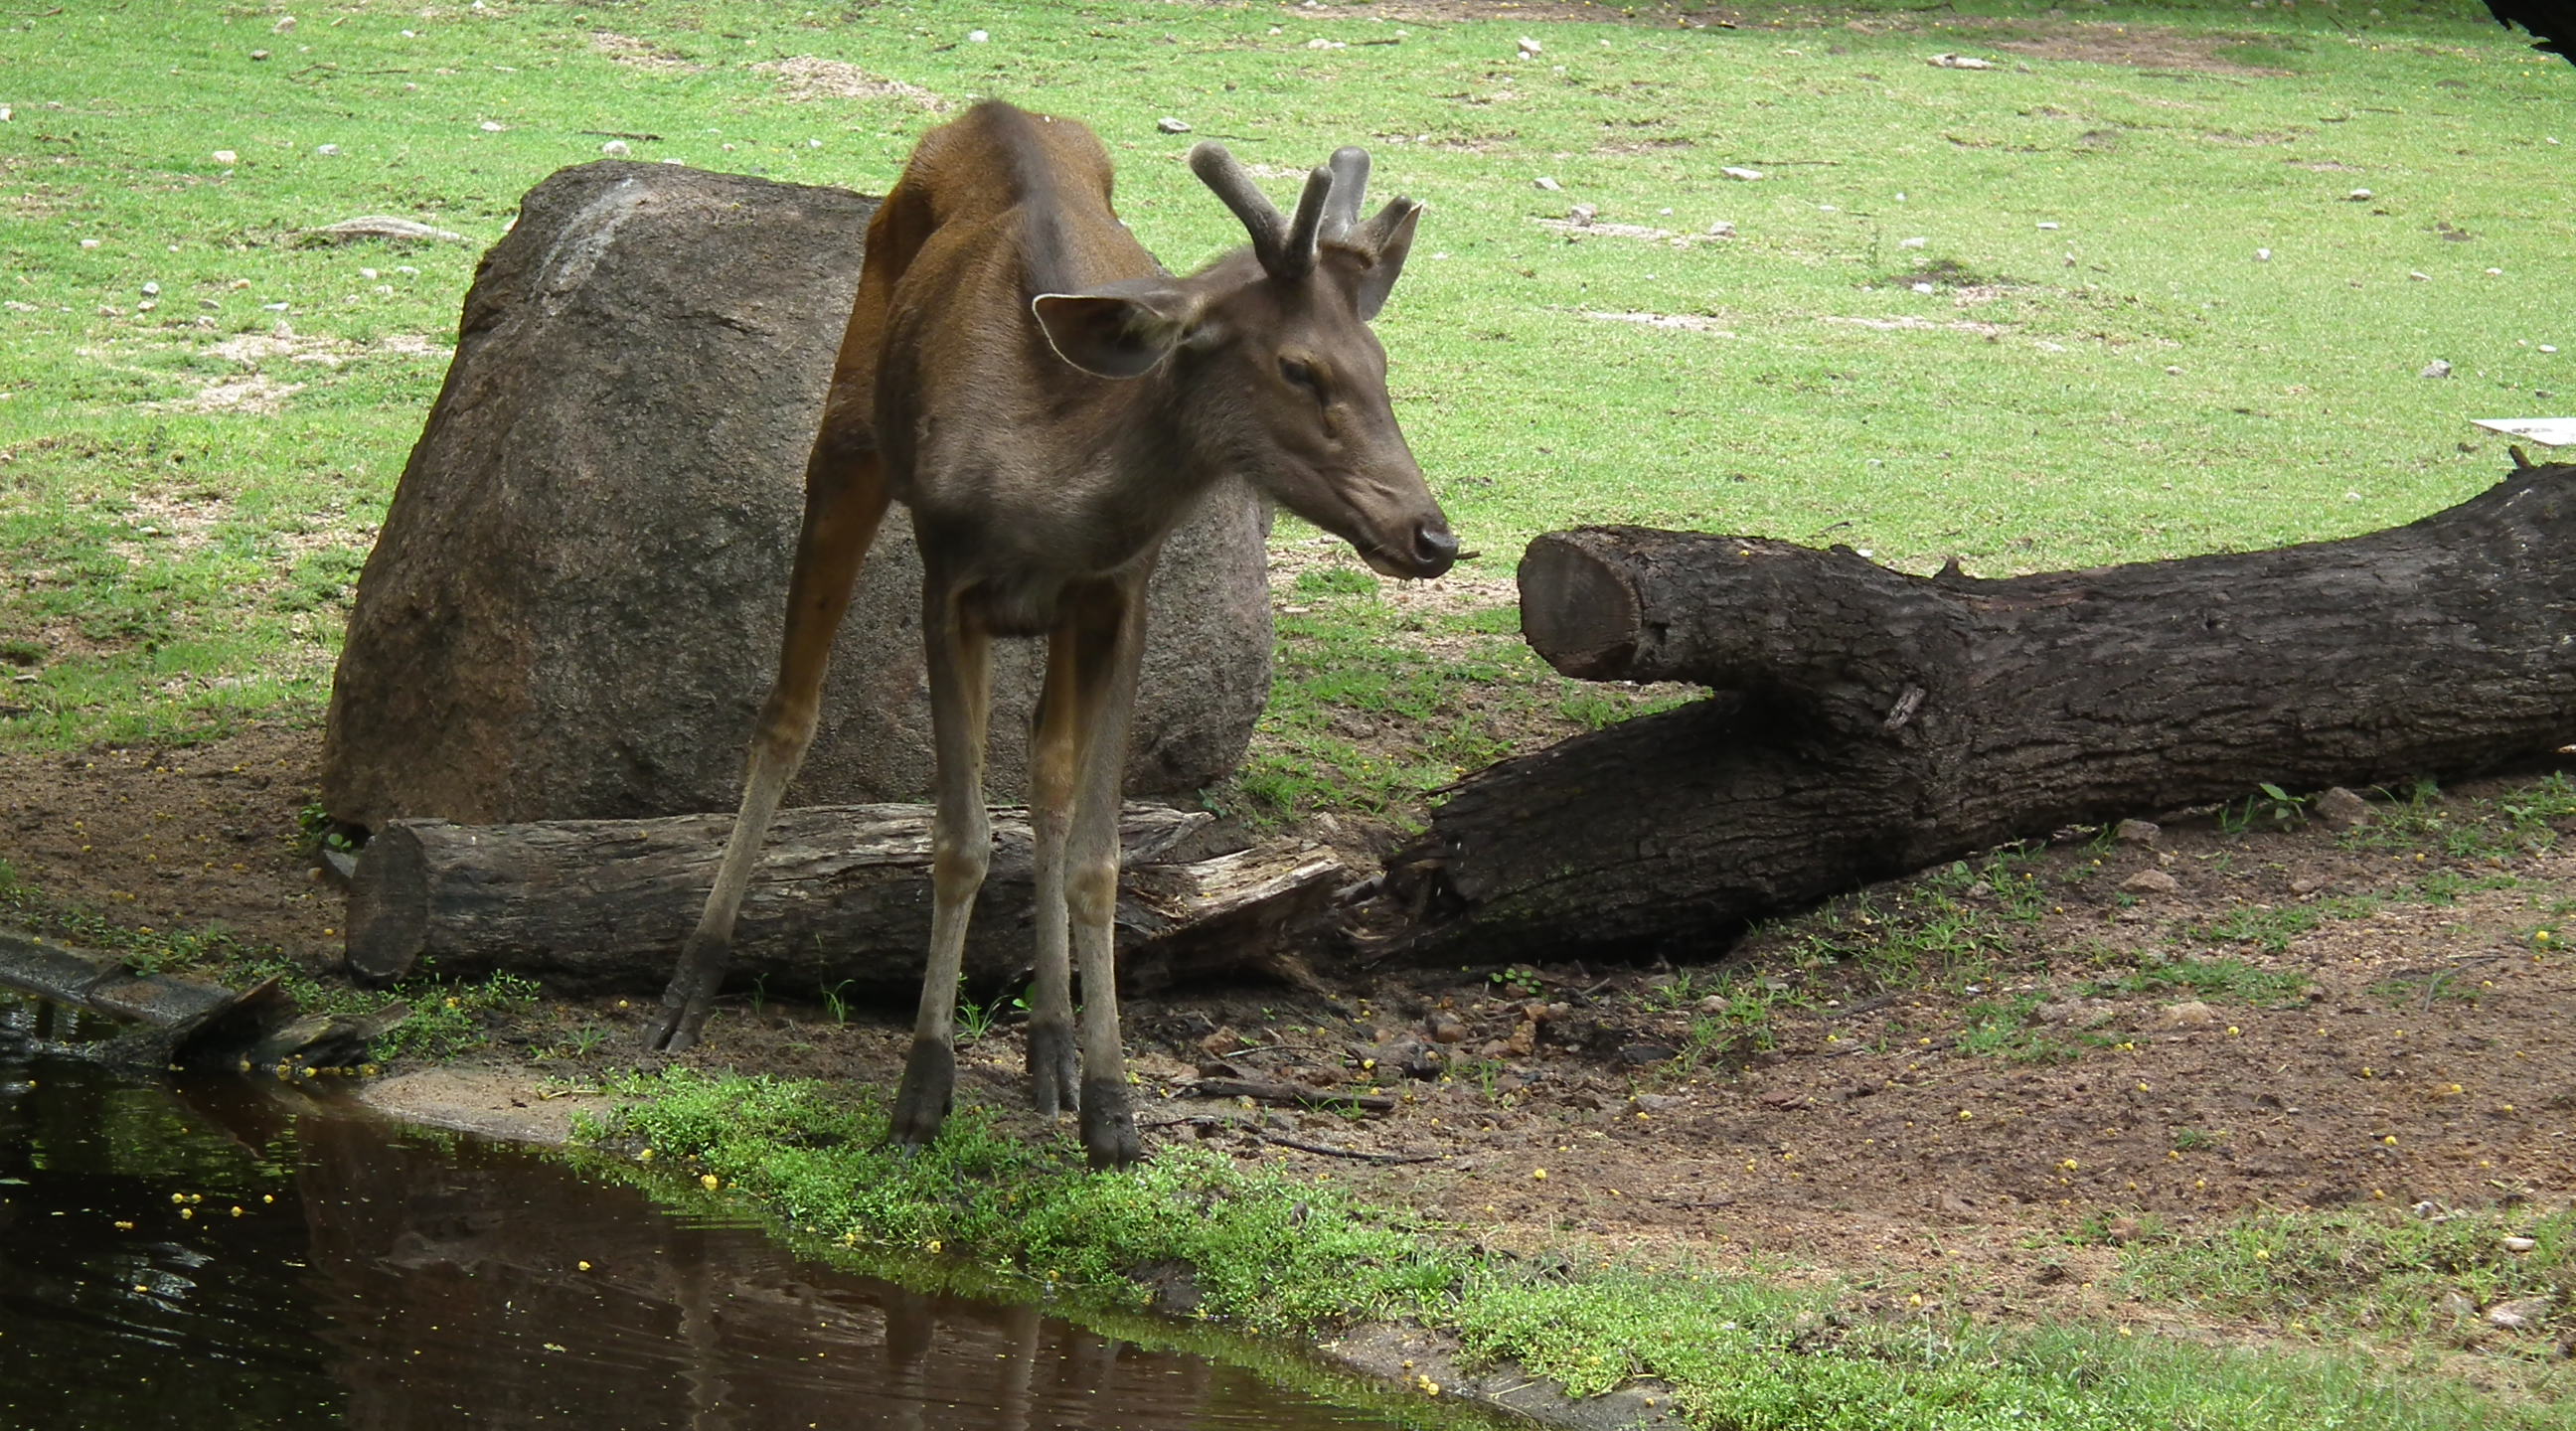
pixel 388 907
pixel 1577 610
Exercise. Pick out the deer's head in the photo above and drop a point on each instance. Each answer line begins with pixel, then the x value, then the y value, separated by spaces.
pixel 1271 358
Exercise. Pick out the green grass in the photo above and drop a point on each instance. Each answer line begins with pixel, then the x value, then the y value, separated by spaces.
pixel 178 570
pixel 1275 1252
pixel 2228 980
pixel 2369 1275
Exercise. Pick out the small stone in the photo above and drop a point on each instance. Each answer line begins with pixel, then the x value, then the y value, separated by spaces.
pixel 2189 1014
pixel 284 24
pixel 1529 46
pixel 259 54
pixel 2048 223
pixel 1653 1103
pixel 2413 277
pixel 1170 125
pixel 1737 171
pixel 1641 1054
pixel 1721 229
pixel 1913 243
pixel 2151 882
pixel 2357 196
pixel 1544 182
pixel 492 126
pixel 152 290
pixel 226 156
pixel 616 149
pixel 1960 62
pixel 2519 1244
pixel 2262 255
pixel 2520 1312
pixel 976 37
pixel 2457 1305
pixel 326 148
pixel 1445 1027
pixel 2304 886
pixel 2438 368
pixel 1924 288
pixel 1583 214
pixel 1523 1041
pixel 2340 809
pixel 2136 832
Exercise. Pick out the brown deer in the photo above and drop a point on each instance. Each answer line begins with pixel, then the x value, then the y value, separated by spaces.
pixel 1048 402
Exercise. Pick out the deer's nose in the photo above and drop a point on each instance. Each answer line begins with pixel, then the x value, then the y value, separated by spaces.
pixel 1434 547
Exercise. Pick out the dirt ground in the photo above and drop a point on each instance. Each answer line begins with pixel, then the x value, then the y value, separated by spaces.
pixel 1966 1087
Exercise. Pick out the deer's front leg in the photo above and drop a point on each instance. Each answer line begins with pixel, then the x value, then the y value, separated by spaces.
pixel 845 499
pixel 959 653
pixel 1109 640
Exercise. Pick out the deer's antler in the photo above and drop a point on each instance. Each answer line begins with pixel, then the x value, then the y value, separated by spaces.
pixel 1328 210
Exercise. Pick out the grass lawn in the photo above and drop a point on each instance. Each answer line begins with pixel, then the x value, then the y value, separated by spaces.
pixel 2021 315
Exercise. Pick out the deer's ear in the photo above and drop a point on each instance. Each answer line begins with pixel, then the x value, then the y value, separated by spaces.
pixel 1114 334
pixel 1390 237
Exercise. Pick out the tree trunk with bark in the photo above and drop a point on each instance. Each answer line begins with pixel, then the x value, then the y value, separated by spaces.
pixel 1870 723
pixel 841 899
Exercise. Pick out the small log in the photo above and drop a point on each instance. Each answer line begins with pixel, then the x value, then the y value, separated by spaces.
pixel 1872 723
pixel 841 899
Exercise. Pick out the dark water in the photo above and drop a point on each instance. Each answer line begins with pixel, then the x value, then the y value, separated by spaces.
pixel 384 1279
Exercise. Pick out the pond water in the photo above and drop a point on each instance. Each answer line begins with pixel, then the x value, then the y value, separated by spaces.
pixel 218 1256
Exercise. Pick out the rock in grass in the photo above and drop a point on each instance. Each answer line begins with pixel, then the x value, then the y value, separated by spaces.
pixel 2151 882
pixel 2340 809
pixel 377 226
pixel 2519 1313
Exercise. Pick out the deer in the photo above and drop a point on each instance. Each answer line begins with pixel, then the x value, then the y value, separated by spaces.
pixel 1048 403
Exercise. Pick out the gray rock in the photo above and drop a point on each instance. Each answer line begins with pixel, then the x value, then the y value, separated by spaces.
pixel 2136 832
pixel 2518 1313
pixel 2151 882
pixel 573 610
pixel 2340 809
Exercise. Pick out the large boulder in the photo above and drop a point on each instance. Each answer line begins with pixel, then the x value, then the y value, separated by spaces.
pixel 574 608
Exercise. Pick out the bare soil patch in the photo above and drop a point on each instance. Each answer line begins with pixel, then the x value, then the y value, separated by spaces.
pixel 2138 46
pixel 642 54
pixel 812 77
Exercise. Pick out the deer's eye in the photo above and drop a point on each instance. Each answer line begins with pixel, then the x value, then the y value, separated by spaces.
pixel 1301 374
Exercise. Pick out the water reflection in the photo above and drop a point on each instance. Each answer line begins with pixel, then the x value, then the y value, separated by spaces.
pixel 397 1281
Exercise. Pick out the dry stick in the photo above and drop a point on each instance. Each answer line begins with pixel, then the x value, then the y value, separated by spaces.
pixel 2433 986
pixel 1332 1152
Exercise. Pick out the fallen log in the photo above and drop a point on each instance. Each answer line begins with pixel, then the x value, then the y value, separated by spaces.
pixel 1871 723
pixel 841 900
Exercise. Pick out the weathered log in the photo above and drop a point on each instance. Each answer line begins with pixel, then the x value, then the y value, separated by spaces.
pixel 842 898
pixel 1873 723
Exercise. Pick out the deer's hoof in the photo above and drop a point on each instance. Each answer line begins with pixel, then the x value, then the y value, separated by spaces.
pixel 1109 1124
pixel 921 1101
pixel 1054 1070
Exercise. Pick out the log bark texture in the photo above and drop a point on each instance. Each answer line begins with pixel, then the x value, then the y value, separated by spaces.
pixel 842 898
pixel 1871 723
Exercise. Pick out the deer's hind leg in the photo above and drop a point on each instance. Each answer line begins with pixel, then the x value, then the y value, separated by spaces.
pixel 845 500
pixel 1096 651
